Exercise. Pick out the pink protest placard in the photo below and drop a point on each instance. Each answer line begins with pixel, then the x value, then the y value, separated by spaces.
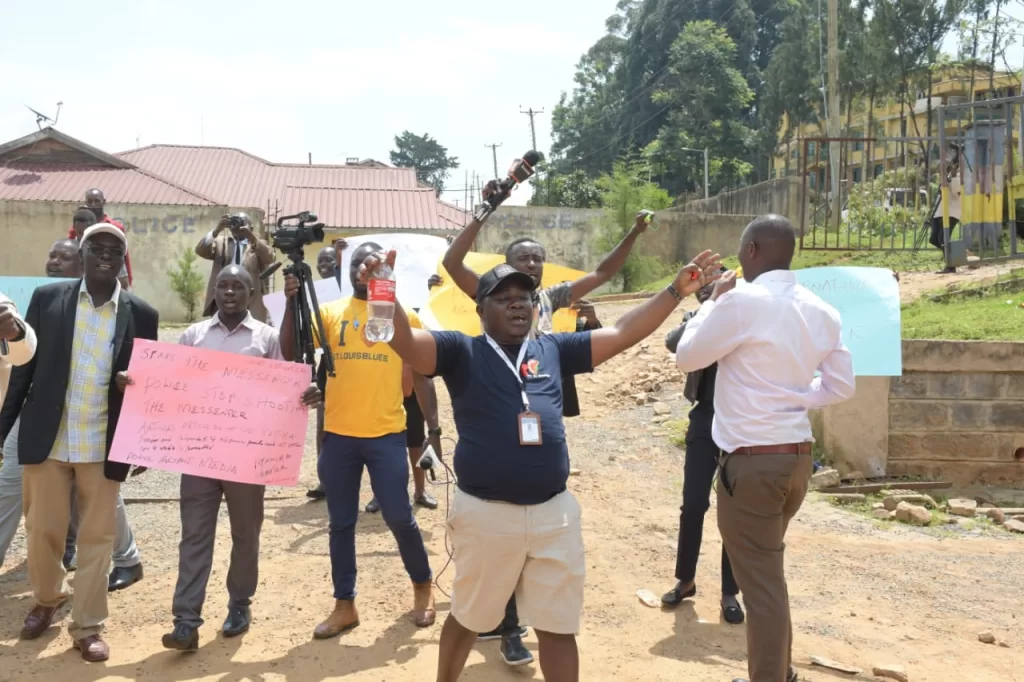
pixel 219 415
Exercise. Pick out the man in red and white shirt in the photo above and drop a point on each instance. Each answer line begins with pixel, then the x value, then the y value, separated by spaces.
pixel 96 202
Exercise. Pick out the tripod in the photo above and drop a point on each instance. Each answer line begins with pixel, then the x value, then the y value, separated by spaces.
pixel 302 319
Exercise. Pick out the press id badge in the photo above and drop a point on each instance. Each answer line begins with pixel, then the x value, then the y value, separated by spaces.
pixel 529 428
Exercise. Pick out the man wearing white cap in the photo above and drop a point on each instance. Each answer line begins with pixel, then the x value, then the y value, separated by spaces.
pixel 86 330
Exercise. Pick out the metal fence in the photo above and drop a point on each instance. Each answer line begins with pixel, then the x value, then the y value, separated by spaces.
pixel 890 191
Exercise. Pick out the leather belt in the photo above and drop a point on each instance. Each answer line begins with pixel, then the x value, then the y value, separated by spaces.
pixel 785 449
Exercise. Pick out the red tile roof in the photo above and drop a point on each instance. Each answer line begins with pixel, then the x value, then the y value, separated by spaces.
pixel 43 182
pixel 350 196
pixel 51 166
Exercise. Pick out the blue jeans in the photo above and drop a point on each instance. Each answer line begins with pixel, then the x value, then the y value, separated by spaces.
pixel 341 469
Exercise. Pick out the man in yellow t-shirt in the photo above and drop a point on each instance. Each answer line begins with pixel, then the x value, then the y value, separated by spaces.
pixel 364 426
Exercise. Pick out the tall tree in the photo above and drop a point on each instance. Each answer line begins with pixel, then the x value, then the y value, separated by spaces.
pixel 428 156
pixel 708 98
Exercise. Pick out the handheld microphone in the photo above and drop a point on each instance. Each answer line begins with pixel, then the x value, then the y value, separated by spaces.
pixel 427 461
pixel 521 171
pixel 271 269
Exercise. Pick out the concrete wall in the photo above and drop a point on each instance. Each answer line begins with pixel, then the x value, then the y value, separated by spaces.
pixel 157 235
pixel 956 414
pixel 571 235
pixel 781 196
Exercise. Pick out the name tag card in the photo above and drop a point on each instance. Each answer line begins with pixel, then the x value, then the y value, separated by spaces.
pixel 529 428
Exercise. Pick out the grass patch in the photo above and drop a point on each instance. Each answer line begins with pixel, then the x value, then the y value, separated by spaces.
pixel 994 317
pixel 677 431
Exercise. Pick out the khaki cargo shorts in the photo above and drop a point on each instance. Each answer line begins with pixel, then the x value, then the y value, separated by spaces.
pixel 534 551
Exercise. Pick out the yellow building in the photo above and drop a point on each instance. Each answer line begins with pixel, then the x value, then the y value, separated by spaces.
pixel 951 86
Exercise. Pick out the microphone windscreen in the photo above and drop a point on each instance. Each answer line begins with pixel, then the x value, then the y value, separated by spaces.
pixel 531 157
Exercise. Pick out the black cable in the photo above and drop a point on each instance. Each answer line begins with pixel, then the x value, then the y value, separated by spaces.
pixel 447 483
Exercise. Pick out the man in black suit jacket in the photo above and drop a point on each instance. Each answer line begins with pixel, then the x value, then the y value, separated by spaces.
pixel 69 399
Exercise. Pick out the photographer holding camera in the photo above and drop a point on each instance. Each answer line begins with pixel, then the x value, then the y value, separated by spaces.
pixel 233 242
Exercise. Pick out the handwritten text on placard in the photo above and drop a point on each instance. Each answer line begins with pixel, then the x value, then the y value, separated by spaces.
pixel 220 415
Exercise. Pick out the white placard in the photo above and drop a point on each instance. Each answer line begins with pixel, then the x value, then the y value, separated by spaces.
pixel 418 259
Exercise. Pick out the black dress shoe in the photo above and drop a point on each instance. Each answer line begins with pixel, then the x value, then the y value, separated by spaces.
pixel 183 638
pixel 120 578
pixel 675 596
pixel 732 613
pixel 237 622
pixel 316 493
pixel 70 561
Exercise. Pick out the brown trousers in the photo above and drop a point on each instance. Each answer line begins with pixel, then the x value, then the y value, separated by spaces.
pixel 767 491
pixel 46 490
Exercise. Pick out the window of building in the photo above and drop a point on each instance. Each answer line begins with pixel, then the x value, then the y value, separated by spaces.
pixel 810 149
pixel 856 174
pixel 813 180
pixel 879 169
pixel 772 174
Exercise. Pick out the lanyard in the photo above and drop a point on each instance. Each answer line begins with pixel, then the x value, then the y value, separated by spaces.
pixel 519 362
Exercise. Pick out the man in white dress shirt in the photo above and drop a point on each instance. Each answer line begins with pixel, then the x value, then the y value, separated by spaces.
pixel 769 340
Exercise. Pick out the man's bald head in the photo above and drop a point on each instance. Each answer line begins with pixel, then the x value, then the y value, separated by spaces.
pixel 236 272
pixel 768 243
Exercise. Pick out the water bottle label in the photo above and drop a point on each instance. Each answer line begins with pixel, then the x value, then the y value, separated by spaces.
pixel 382 290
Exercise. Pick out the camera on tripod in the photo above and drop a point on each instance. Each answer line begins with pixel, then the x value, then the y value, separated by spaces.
pixel 294 237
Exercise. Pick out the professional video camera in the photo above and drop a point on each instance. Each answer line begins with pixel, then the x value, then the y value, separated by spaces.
pixel 291 240
pixel 520 171
pixel 295 237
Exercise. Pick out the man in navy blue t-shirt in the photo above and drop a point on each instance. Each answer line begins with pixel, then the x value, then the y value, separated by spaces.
pixel 513 524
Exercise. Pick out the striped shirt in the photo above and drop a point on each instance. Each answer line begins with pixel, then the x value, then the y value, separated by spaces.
pixel 82 438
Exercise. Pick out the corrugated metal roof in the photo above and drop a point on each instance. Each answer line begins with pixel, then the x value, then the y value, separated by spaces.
pixel 452 216
pixel 45 182
pixel 352 197
pixel 366 209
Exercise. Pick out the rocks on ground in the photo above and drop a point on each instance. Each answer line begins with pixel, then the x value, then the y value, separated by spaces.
pixel 891 672
pixel 913 514
pixel 986 637
pixel 826 478
pixel 962 507
pixel 1014 525
pixel 847 498
pixel 891 502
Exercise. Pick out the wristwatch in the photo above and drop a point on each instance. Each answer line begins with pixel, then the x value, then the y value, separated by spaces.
pixel 434 432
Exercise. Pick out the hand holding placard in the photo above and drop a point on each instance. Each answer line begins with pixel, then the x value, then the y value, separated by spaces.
pixel 220 415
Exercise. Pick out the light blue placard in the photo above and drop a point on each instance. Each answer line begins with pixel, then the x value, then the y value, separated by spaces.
pixel 19 289
pixel 868 300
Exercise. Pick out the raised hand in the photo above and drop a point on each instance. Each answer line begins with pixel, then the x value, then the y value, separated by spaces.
pixel 374 261
pixel 699 272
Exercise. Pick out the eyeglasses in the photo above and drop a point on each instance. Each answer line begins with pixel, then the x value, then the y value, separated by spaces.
pixel 101 250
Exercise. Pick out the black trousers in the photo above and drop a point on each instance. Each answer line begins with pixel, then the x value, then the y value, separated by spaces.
pixel 510 623
pixel 698 476
pixel 938 236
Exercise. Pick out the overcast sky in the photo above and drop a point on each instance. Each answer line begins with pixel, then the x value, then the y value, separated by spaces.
pixel 336 78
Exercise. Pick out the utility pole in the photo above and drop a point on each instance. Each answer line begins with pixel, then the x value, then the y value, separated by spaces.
pixel 533 130
pixel 834 125
pixel 494 151
pixel 707 184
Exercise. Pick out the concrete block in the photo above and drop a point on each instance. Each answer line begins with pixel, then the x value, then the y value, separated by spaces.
pixel 971 415
pixel 947 386
pixel 910 385
pixel 918 415
pixel 985 386
pixel 1008 415
pixel 1015 386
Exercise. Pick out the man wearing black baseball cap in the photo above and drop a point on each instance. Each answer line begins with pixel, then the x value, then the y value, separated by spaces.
pixel 514 525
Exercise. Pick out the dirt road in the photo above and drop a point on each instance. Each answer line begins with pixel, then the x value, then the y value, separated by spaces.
pixel 861 594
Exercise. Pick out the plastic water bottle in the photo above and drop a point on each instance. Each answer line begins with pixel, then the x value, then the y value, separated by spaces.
pixel 380 299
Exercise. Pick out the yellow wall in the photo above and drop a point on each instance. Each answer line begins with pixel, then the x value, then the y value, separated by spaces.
pixel 955 82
